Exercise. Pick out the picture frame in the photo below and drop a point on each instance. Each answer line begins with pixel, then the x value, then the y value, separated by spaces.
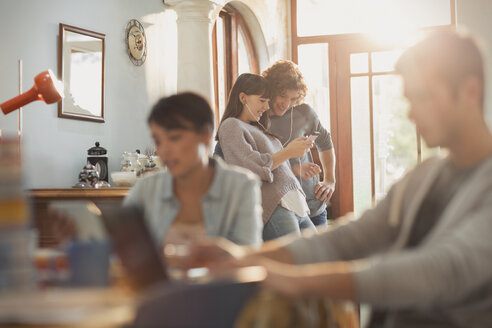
pixel 81 63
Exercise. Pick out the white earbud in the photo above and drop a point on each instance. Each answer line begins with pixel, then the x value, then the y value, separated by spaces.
pixel 202 150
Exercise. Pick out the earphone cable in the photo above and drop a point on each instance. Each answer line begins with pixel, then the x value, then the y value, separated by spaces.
pixel 291 125
pixel 257 120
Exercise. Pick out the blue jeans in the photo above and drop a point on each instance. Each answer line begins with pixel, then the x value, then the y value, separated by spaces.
pixel 320 219
pixel 283 222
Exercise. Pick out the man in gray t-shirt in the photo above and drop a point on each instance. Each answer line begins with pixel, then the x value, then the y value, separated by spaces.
pixel 290 118
pixel 303 121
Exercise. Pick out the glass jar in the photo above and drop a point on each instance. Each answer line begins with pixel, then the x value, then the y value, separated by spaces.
pixel 130 163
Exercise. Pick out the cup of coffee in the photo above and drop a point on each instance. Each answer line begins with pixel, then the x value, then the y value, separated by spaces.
pixel 88 262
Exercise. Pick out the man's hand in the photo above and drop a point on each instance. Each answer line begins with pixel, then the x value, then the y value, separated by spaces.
pixel 306 170
pixel 283 279
pixel 214 252
pixel 324 190
pixel 329 279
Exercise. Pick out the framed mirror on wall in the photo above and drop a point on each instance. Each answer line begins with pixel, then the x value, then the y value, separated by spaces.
pixel 81 68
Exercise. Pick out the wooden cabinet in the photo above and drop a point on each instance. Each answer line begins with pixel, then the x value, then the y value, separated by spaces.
pixel 41 198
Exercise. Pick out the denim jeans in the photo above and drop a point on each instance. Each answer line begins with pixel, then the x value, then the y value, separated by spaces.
pixel 283 222
pixel 320 219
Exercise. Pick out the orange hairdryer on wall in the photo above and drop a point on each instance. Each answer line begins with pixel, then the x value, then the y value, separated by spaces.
pixel 46 87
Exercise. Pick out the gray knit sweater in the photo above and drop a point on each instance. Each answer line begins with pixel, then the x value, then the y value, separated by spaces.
pixel 247 146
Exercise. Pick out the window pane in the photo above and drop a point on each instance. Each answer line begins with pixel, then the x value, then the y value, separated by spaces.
pixel 313 62
pixel 243 55
pixel 395 137
pixel 319 17
pixel 359 63
pixel 221 64
pixel 361 144
pixel 384 61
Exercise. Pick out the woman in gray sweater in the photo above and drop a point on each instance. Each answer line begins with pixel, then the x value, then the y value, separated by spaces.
pixel 245 140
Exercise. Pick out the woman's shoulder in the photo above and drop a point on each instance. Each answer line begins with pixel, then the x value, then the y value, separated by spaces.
pixel 231 121
pixel 232 127
pixel 152 180
pixel 148 187
pixel 235 123
pixel 305 109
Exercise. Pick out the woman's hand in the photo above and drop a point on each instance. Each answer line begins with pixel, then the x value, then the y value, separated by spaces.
pixel 297 147
pixel 306 170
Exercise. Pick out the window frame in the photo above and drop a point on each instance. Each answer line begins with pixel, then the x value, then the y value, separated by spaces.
pixel 232 19
pixel 340 122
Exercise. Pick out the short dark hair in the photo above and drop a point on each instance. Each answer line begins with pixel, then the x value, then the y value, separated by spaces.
pixel 450 55
pixel 185 110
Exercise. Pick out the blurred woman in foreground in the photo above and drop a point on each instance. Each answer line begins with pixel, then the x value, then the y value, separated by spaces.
pixel 197 195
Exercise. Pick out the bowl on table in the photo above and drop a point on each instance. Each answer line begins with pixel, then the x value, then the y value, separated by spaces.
pixel 124 179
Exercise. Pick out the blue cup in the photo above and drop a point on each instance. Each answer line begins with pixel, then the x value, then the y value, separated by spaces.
pixel 89 263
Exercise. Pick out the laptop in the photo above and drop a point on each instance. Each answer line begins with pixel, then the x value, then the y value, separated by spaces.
pixel 169 302
pixel 133 244
pixel 142 260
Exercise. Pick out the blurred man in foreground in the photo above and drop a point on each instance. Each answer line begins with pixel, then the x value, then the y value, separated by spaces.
pixel 423 254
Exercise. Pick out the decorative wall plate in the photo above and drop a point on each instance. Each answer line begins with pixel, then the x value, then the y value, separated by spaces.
pixel 136 42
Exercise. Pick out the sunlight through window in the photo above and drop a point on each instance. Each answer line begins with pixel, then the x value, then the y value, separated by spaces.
pixel 376 142
pixel 377 17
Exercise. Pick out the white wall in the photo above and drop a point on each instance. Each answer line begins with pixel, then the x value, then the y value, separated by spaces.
pixel 55 149
pixel 273 17
pixel 476 16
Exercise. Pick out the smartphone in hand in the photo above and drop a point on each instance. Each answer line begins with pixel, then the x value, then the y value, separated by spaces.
pixel 313 136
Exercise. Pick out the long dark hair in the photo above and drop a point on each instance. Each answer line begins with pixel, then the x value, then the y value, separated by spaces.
pixel 250 84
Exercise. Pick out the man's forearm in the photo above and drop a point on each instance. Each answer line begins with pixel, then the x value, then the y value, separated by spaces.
pixel 327 159
pixel 275 250
pixel 327 280
pixel 333 280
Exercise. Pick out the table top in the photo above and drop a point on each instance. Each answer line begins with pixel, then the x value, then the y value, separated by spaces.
pixel 68 307
pixel 77 192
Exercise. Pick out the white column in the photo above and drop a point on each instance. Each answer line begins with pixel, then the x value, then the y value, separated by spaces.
pixel 195 20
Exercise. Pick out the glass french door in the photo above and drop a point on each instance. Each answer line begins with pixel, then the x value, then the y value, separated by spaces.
pixel 377 142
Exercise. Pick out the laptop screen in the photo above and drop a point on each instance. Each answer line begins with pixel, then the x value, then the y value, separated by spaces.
pixel 133 243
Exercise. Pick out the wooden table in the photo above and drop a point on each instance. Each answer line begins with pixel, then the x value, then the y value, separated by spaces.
pixel 41 199
pixel 67 308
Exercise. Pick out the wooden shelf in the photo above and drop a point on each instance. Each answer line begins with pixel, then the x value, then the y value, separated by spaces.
pixel 41 199
pixel 78 193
